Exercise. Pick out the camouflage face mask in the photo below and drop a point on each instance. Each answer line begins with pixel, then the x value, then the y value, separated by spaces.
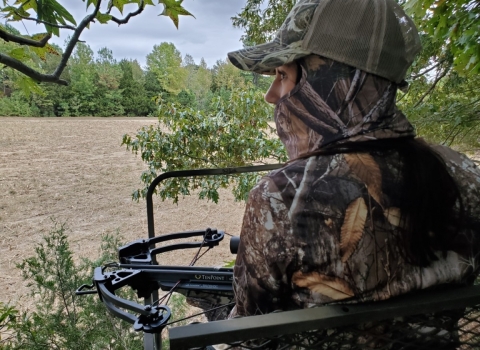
pixel 334 103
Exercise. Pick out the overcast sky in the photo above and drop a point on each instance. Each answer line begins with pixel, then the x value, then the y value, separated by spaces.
pixel 210 35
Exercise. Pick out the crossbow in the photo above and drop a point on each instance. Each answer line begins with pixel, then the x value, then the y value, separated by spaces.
pixel 138 268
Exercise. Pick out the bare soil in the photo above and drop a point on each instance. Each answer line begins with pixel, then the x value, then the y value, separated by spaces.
pixel 75 171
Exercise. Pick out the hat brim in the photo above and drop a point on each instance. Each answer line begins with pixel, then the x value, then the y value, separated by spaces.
pixel 264 58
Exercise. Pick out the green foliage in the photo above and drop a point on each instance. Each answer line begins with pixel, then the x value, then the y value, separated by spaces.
pixel 453 24
pixel 229 264
pixel 134 96
pixel 443 105
pixel 62 320
pixel 261 22
pixel 237 133
pixel 165 61
pixel 199 82
pixel 449 114
pixel 16 105
pixel 8 317
pixel 178 303
pixel 226 76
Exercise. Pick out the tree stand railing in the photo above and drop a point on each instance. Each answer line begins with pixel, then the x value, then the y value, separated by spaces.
pixel 429 319
pixel 433 319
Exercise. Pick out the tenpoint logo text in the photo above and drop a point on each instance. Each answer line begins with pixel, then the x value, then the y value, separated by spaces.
pixel 210 278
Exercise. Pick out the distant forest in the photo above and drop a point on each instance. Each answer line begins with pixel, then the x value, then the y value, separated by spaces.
pixel 100 85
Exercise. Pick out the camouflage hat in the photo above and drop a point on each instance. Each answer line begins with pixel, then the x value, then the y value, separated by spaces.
pixel 373 35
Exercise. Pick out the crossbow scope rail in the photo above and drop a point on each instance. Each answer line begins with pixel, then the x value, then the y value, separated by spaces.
pixel 138 267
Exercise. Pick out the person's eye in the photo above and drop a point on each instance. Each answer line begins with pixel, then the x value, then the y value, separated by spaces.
pixel 283 76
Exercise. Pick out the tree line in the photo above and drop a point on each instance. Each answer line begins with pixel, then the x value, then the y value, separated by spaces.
pixel 100 85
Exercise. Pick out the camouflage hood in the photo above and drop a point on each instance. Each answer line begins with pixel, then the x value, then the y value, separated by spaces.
pixel 334 103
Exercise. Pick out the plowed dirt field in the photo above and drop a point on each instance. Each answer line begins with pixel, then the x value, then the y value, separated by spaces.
pixel 74 171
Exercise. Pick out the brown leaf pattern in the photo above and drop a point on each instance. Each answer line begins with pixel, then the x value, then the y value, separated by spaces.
pixel 332 287
pixel 393 216
pixel 352 228
pixel 366 169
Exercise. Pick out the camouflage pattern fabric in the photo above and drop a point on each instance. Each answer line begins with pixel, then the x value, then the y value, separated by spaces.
pixel 325 228
pixel 335 103
pixel 286 47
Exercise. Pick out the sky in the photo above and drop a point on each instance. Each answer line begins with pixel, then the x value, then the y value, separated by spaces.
pixel 209 35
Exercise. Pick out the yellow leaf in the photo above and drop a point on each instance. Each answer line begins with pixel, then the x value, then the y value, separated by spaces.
pixel 332 287
pixel 393 215
pixel 352 228
pixel 367 170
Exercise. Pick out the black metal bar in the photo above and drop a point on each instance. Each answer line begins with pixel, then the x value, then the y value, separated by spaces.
pixel 113 300
pixel 197 275
pixel 290 322
pixel 119 313
pixel 193 173
pixel 145 267
pixel 176 235
pixel 171 247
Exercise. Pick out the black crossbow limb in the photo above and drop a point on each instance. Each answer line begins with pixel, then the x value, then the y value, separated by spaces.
pixel 138 269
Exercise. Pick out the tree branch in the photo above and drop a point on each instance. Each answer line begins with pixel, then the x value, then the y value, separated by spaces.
pixel 22 40
pixel 30 72
pixel 437 79
pixel 428 70
pixel 73 41
pixel 66 26
pixel 34 74
pixel 125 20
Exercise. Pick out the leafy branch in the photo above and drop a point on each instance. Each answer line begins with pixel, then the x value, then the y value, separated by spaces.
pixel 440 75
pixel 125 20
pixel 36 20
pixel 22 40
pixel 227 136
pixel 55 17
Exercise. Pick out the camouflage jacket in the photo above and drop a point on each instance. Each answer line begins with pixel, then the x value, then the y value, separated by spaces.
pixel 323 229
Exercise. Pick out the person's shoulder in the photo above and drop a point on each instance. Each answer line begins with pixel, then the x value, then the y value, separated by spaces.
pixel 292 172
pixel 458 162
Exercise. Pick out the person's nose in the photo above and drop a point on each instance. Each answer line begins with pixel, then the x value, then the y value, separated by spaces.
pixel 272 94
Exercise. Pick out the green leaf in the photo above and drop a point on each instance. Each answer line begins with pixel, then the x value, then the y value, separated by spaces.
pixel 91 2
pixel 119 4
pixel 28 85
pixel 173 9
pixel 18 53
pixel 103 18
pixel 42 52
pixel 230 263
pixel 62 12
